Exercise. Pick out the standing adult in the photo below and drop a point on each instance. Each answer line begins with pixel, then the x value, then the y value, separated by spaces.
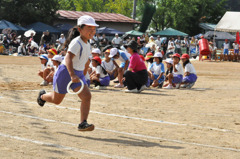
pixel 136 76
pixel 116 41
pixel 178 45
pixel 158 41
pixel 186 44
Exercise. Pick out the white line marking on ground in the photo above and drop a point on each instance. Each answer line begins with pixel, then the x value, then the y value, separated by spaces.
pixel 135 118
pixel 125 133
pixel 62 147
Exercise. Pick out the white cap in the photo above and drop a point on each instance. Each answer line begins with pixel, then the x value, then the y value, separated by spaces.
pixel 87 20
pixel 116 34
pixel 158 54
pixel 169 61
pixel 57 58
pixel 113 52
pixel 62 35
pixel 151 37
pixel 97 50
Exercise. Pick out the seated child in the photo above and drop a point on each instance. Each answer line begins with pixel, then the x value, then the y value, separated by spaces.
pixel 169 63
pixel 99 75
pixel 190 72
pixel 2 48
pixel 109 65
pixel 44 61
pixel 157 71
pixel 175 78
pixel 149 60
pixel 46 77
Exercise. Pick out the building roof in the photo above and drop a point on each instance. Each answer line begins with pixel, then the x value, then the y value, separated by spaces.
pixel 207 26
pixel 99 17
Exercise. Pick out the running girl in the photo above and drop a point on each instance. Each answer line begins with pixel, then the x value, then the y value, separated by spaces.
pixel 72 69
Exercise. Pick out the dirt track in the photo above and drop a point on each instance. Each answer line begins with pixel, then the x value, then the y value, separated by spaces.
pixel 200 123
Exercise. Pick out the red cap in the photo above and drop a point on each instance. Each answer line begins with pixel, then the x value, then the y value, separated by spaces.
pixel 226 39
pixel 149 56
pixel 185 56
pixel 96 58
pixel 202 37
pixel 176 55
pixel 142 57
pixel 53 51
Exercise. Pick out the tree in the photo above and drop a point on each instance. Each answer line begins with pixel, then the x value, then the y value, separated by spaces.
pixel 27 11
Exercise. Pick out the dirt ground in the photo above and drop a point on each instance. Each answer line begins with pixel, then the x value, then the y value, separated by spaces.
pixel 203 122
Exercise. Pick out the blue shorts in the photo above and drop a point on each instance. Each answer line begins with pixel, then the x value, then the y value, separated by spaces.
pixel 62 78
pixel 190 79
pixel 236 51
pixel 161 80
pixel 105 81
pixel 177 78
pixel 148 82
pixel 122 65
pixel 112 77
pixel 88 82
pixel 225 52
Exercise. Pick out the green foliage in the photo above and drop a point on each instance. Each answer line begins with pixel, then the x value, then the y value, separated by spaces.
pixel 27 11
pixel 148 13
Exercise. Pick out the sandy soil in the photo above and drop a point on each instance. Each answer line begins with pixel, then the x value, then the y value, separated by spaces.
pixel 203 122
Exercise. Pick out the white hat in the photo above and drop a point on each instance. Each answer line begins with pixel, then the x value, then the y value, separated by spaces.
pixel 62 35
pixel 113 52
pixel 87 20
pixel 151 37
pixel 158 54
pixel 57 58
pixel 169 61
pixel 97 50
pixel 116 34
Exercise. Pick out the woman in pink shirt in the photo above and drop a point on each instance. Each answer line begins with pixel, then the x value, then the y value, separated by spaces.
pixel 136 76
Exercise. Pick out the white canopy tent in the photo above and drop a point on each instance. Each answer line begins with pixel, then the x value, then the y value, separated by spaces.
pixel 230 22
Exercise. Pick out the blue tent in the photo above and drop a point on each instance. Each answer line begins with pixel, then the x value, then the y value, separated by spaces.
pixel 4 24
pixel 63 27
pixel 108 31
pixel 40 27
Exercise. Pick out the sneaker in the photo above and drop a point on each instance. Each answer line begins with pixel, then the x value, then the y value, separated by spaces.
pixel 39 100
pixel 44 83
pixel 177 86
pixel 119 86
pixel 160 85
pixel 168 87
pixel 184 85
pixel 190 85
pixel 116 81
pixel 84 126
pixel 142 88
pixel 100 87
pixel 132 91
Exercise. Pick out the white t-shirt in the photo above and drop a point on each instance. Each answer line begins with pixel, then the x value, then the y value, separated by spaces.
pixel 99 70
pixel 178 43
pixel 124 56
pixel 49 63
pixel 108 66
pixel 179 69
pixel 226 45
pixel 62 40
pixel 158 42
pixel 157 69
pixel 189 68
pixel 116 40
pixel 75 48
pixel 235 46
